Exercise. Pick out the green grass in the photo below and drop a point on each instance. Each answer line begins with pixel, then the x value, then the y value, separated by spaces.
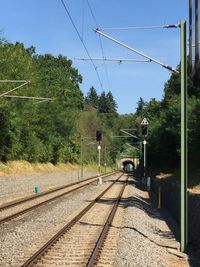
pixel 94 168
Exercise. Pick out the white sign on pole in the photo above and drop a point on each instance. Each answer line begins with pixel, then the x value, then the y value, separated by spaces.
pixel 144 122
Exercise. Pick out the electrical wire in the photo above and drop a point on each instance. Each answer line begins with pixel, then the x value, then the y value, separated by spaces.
pixel 83 17
pixel 81 39
pixel 100 41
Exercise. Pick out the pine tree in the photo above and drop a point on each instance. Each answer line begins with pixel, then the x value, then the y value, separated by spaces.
pixel 92 98
pixel 112 105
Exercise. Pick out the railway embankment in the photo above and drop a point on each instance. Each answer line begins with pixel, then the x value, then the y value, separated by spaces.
pixel 167 194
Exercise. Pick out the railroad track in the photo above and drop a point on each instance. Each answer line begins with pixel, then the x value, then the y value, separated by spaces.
pixel 19 207
pixel 81 241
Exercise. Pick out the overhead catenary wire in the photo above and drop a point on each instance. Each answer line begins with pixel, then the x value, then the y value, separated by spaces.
pixel 81 39
pixel 83 17
pixel 100 41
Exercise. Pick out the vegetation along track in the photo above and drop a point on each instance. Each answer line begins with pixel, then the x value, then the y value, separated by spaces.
pixel 14 209
pixel 80 241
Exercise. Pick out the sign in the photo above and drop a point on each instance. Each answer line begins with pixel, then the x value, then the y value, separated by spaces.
pixel 144 122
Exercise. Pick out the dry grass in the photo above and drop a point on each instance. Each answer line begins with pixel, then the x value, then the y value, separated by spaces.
pixel 23 167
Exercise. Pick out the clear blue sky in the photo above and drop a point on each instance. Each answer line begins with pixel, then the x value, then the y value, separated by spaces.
pixel 45 25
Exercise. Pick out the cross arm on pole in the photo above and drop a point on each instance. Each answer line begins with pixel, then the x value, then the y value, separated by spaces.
pixel 118 60
pixel 28 97
pixel 136 51
pixel 166 26
pixel 21 85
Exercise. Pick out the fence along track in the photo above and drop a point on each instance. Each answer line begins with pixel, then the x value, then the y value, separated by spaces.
pixel 74 234
pixel 19 202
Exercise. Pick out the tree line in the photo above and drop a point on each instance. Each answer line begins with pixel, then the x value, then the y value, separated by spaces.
pixel 164 139
pixel 51 131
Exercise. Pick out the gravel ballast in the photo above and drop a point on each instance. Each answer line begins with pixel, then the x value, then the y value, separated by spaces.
pixel 19 235
pixel 145 240
pixel 13 187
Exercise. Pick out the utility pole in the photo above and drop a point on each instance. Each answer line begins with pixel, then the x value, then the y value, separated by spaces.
pixel 184 156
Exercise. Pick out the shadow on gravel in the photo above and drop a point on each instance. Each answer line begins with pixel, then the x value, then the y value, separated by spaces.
pixel 193 253
pixel 140 203
pixel 148 206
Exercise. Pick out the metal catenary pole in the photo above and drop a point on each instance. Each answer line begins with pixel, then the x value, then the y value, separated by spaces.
pixel 184 159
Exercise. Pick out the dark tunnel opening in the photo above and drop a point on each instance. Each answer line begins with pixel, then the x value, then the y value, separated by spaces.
pixel 128 166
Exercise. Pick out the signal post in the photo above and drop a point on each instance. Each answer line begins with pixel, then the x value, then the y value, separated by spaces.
pixel 99 139
pixel 144 129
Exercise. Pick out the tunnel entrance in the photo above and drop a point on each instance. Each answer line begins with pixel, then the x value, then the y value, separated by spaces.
pixel 128 166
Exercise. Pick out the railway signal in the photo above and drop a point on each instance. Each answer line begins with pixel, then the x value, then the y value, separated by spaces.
pixel 144 129
pixel 99 136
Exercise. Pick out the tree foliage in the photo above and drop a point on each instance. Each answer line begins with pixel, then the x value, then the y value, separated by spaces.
pixel 39 131
pixel 165 126
pixel 51 131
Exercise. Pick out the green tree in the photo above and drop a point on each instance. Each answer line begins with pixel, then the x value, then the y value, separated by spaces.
pixel 92 98
pixel 141 104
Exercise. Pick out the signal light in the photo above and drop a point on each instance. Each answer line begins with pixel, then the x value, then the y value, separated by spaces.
pixel 99 136
pixel 144 129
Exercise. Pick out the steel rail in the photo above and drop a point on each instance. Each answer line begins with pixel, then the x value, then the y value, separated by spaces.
pixel 38 195
pixel 36 256
pixel 95 253
pixel 17 214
